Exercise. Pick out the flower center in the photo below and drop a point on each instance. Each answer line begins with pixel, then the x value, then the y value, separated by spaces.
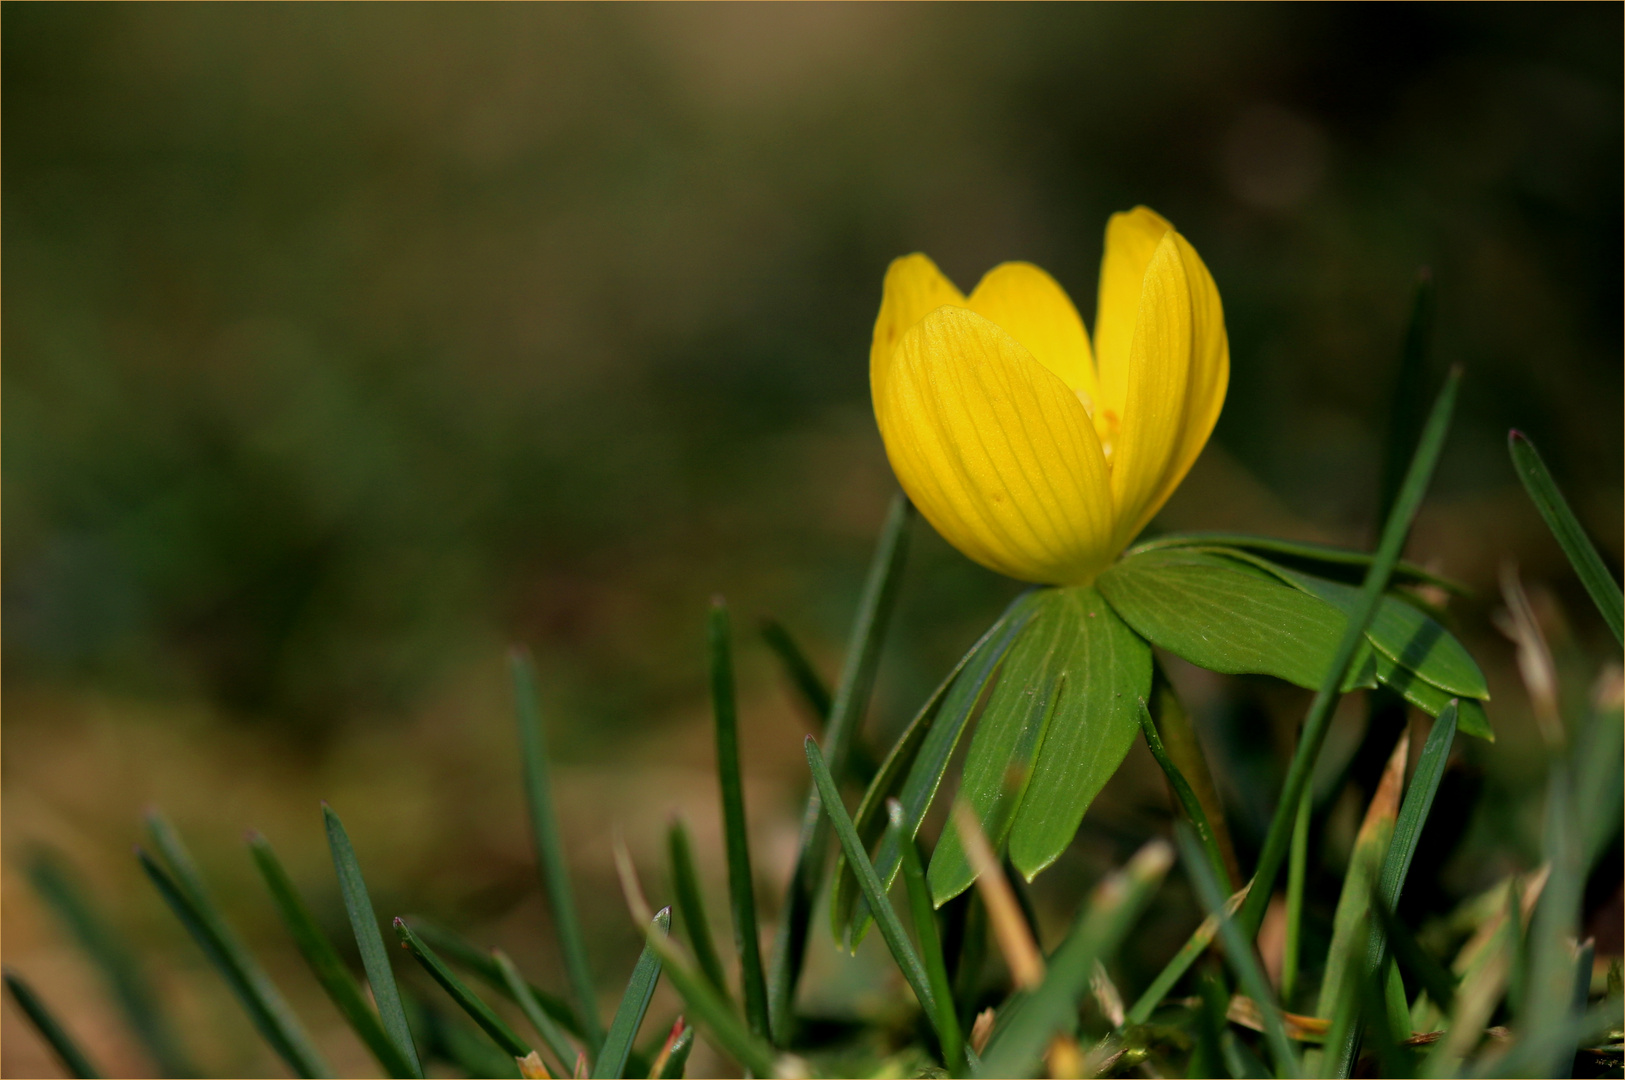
pixel 1106 424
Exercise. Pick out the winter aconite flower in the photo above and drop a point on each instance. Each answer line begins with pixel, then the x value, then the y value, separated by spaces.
pixel 1032 453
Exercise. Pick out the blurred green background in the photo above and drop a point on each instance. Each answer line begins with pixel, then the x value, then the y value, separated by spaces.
pixel 346 345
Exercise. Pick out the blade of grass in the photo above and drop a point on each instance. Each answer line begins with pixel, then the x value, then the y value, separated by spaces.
pixel 489 1022
pixel 701 1001
pixel 341 987
pixel 677 1058
pixel 464 953
pixel 741 883
pixel 550 858
pixel 364 922
pixel 1188 801
pixel 1433 977
pixel 1341 1055
pixel 623 1029
pixel 1238 950
pixel 135 996
pixel 1554 510
pixel 1404 411
pixel 1296 870
pixel 1112 909
pixel 891 927
pixel 691 904
pixel 182 887
pixel 523 994
pixel 803 676
pixel 1187 955
pixel 1318 718
pixel 50 1029
pixel 260 999
pixel 924 917
pixel 847 708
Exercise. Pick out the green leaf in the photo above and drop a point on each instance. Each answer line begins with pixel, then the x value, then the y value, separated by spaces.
pixel 1470 716
pixel 691 904
pixel 364 923
pixel 846 713
pixel 623 1029
pixel 525 996
pixel 1323 559
pixel 182 888
pixel 341 986
pixel 550 860
pixel 914 769
pixel 49 1027
pixel 1554 510
pixel 135 996
pixel 706 1007
pixel 924 917
pixel 1078 672
pixel 741 881
pixel 1111 911
pixel 459 950
pixel 1230 618
pixel 1407 636
pixel 891 927
pixel 489 1022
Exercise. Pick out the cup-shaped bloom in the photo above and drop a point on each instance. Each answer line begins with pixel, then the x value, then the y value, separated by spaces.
pixel 1030 452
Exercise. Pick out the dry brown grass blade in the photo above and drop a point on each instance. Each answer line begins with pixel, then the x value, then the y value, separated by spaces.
pixel 1244 1010
pixel 531 1067
pixel 1535 666
pixel 1010 929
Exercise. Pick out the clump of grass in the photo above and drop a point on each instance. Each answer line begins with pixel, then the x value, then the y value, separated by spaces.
pixel 1388 1003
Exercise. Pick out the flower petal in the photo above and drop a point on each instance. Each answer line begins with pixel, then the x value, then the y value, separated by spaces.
pixel 1031 307
pixel 996 451
pixel 914 288
pixel 1147 474
pixel 1131 240
pixel 1159 371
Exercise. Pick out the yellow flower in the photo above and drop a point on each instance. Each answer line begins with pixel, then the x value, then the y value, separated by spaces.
pixel 1028 453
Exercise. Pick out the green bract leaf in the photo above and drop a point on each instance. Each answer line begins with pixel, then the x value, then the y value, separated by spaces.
pixel 914 768
pixel 1058 720
pixel 1322 558
pixel 1229 617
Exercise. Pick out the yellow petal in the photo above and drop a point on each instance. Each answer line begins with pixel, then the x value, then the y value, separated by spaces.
pixel 1131 240
pixel 1031 307
pixel 996 451
pixel 914 288
pixel 1178 370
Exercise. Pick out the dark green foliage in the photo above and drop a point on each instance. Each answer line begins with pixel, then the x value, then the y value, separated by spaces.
pixel 49 1027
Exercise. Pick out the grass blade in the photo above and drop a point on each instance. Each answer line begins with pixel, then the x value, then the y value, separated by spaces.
pixel 741 883
pixel 677 1057
pixel 1188 801
pixel 850 702
pixel 702 1001
pixel 342 987
pixel 1296 871
pixel 1430 766
pixel 1318 718
pixel 1429 974
pixel 1554 510
pixel 470 1002
pixel 924 917
pixel 1238 950
pixel 1405 413
pixel 524 995
pixel 182 887
pixel 691 904
pixel 550 858
pixel 891 927
pixel 119 967
pixel 1187 955
pixel 803 676
pixel 374 957
pixel 49 1028
pixel 623 1029
pixel 1112 909
pixel 464 953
